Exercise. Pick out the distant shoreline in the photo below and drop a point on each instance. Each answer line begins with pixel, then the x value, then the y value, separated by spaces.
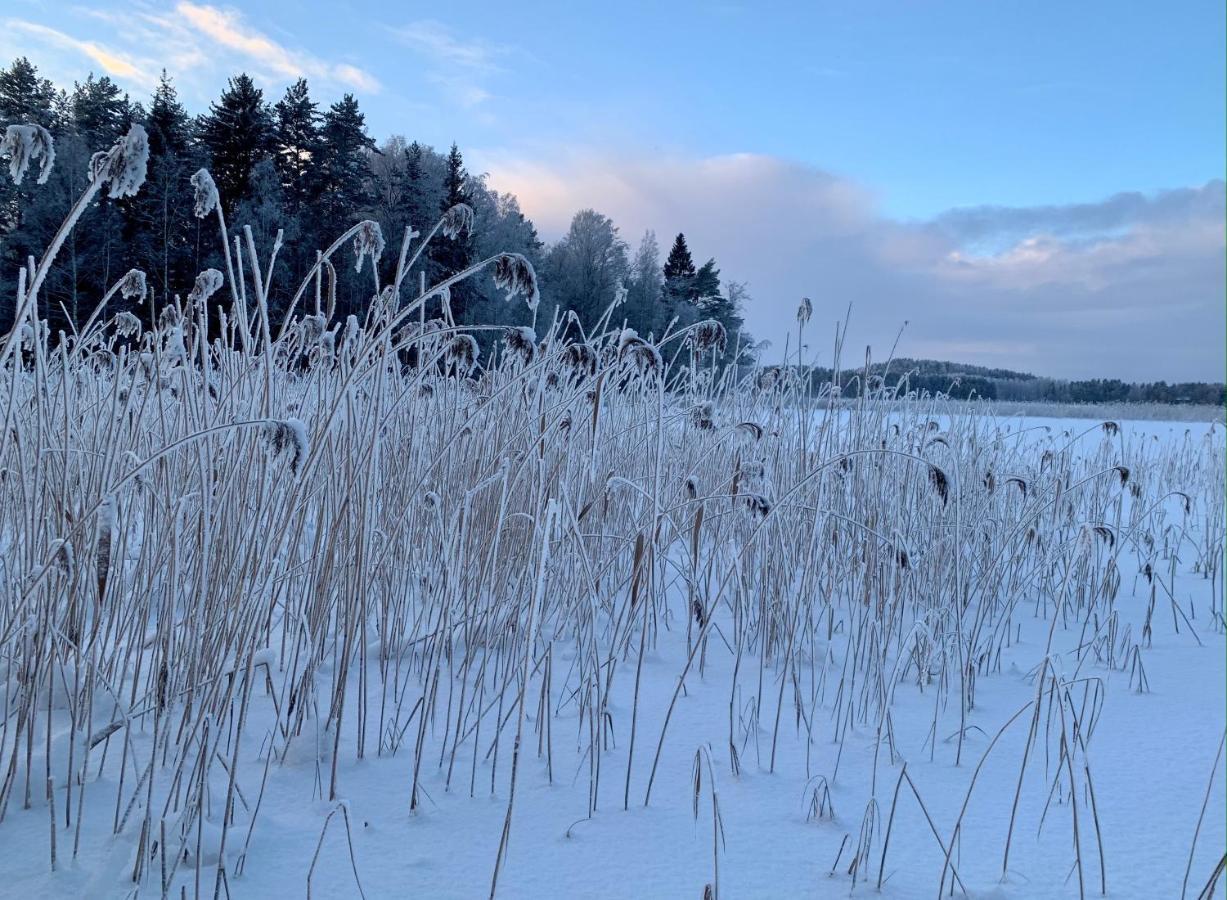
pixel 1192 413
pixel 1136 412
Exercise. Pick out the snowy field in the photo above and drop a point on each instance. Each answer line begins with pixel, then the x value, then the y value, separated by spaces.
pixel 281 615
pixel 341 631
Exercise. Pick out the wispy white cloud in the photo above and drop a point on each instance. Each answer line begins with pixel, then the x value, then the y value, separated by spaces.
pixel 228 28
pixel 1130 287
pixel 118 63
pixel 461 67
pixel 441 43
pixel 198 43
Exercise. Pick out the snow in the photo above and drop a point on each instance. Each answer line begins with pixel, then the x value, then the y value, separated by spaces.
pixel 1151 758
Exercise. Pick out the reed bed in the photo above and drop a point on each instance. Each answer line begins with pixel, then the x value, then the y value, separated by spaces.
pixel 266 545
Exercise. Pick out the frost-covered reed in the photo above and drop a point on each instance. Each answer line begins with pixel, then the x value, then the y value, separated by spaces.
pixel 288 525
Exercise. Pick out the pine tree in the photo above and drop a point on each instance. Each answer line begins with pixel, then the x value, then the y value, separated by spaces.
pixel 412 200
pixel 677 296
pixel 24 97
pixel 452 255
pixel 101 112
pixel 679 265
pixel 298 144
pixel 343 162
pixel 165 227
pixel 237 133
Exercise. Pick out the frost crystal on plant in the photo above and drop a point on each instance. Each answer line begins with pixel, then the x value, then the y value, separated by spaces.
pixel 288 435
pixel 23 143
pixel 132 285
pixel 312 328
pixel 207 283
pixel 620 294
pixel 580 358
pixel 206 199
pixel 643 355
pixel 514 274
pixel 457 220
pixel 169 317
pixel 123 167
pixel 709 335
pixel 463 351
pixel 127 325
pixel 522 340
pixel 368 242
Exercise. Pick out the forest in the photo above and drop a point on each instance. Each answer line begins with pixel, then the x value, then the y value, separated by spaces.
pixel 294 167
pixel 307 172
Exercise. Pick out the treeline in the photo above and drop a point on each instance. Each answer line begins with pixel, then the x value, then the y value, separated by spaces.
pixel 311 171
pixel 1111 390
pixel 964 382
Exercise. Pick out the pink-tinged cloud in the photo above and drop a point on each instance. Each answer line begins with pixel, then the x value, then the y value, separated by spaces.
pixel 1130 288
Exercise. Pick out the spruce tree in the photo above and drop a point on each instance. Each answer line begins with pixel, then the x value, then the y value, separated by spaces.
pixel 452 255
pixel 101 112
pixel 165 227
pixel 343 171
pixel 705 283
pixel 167 124
pixel 24 97
pixel 678 293
pixel 297 145
pixel 679 264
pixel 413 203
pixel 343 165
pixel 237 133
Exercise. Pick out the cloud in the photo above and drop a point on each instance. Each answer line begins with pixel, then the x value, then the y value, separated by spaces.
pixel 112 62
pixel 199 44
pixel 1120 211
pixel 459 66
pixel 227 28
pixel 438 41
pixel 1131 287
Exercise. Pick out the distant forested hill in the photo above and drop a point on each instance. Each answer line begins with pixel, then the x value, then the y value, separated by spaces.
pixel 965 381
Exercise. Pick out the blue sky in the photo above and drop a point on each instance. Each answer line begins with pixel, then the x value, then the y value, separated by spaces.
pixel 1080 145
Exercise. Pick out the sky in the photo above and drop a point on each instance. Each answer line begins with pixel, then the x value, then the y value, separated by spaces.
pixel 1034 185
